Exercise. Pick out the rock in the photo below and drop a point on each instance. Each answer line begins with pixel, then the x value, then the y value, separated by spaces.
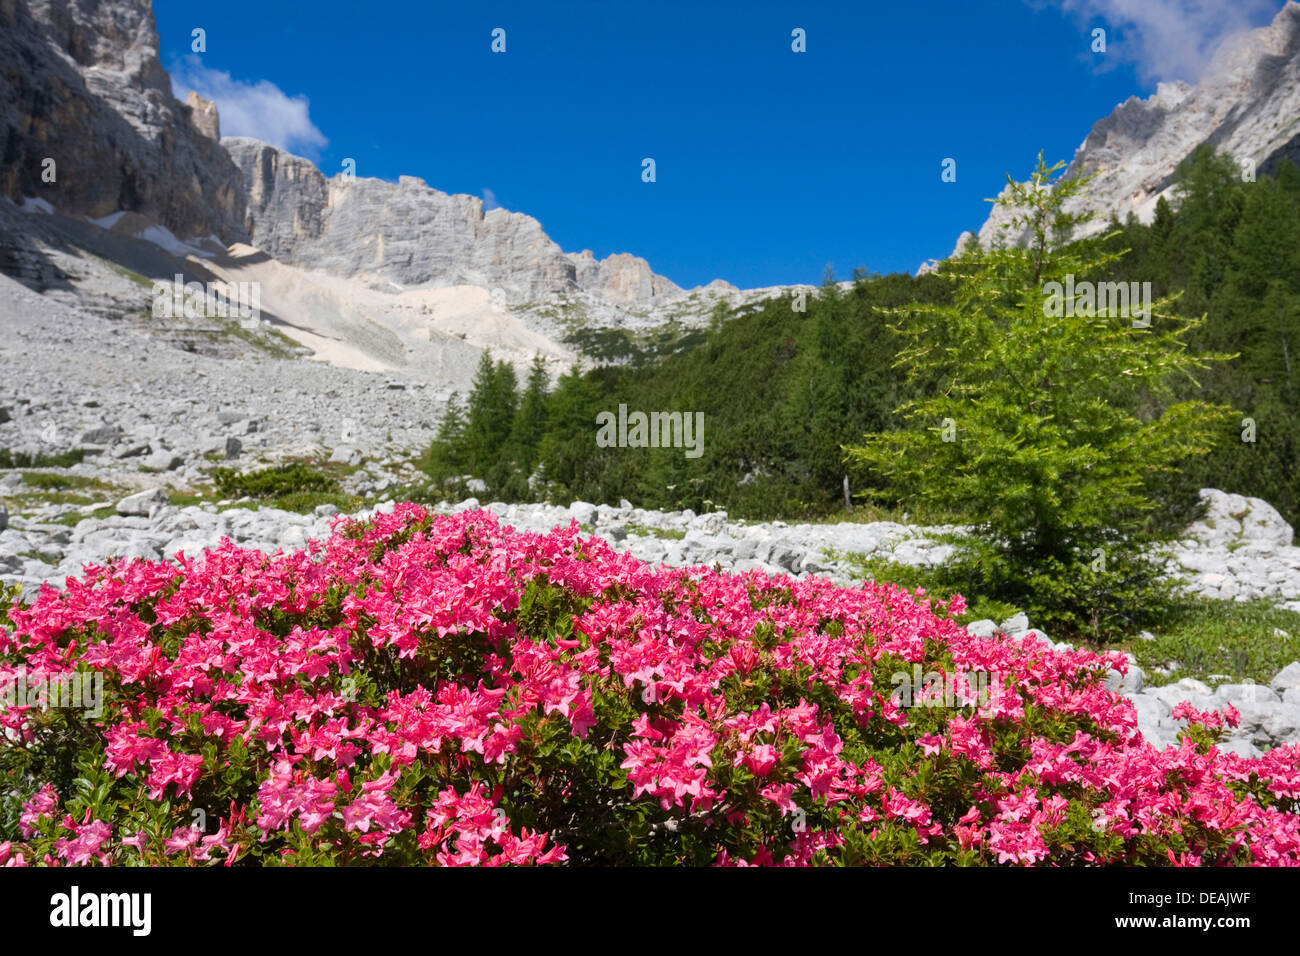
pixel 1281 722
pixel 234 448
pixel 1238 694
pixel 982 628
pixel 1241 747
pixel 1015 625
pixel 786 556
pixel 163 460
pixel 92 91
pixel 1288 678
pixel 4 414
pixel 129 450
pixel 1150 711
pixel 585 512
pixel 302 218
pixel 204 115
pixel 1235 520
pixel 4 517
pixel 105 435
pixel 144 503
pixel 476 485
pixel 326 511
pixel 347 455
pixel 715 522
pixel 1131 683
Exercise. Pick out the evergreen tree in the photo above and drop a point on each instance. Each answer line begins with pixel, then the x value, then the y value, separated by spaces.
pixel 568 455
pixel 1037 429
pixel 490 420
pixel 530 419
pixel 446 457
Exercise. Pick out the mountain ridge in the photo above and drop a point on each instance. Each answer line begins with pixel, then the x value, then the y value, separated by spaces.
pixel 1247 103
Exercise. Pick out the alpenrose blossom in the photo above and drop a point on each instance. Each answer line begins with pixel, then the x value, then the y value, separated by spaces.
pixel 422 690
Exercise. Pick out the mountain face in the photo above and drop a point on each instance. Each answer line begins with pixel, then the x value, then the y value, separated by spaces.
pixel 81 84
pixel 359 272
pixel 411 235
pixel 1247 104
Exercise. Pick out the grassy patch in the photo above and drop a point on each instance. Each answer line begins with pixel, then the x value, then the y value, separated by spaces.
pixel 124 272
pixel 183 499
pixel 60 481
pixel 305 502
pixel 64 459
pixel 269 341
pixel 75 518
pixel 52 559
pixel 26 502
pixel 1206 636
pixel 278 481
pixel 655 532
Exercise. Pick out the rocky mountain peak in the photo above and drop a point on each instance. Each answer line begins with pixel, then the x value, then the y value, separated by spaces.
pixel 411 234
pixel 83 87
pixel 203 113
pixel 1247 103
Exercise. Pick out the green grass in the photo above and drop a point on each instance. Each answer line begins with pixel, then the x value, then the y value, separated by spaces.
pixel 304 502
pixel 58 481
pixel 269 341
pixel 40 556
pixel 655 532
pixel 183 499
pixel 66 459
pixel 26 502
pixel 124 272
pixel 277 481
pixel 1207 637
pixel 99 514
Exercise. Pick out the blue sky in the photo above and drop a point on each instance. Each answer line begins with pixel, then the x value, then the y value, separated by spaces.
pixel 770 164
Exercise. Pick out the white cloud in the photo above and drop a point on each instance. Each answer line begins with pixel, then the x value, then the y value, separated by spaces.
pixel 1169 39
pixel 260 110
pixel 490 200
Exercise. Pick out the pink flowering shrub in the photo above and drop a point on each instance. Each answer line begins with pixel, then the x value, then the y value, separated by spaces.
pixel 440 690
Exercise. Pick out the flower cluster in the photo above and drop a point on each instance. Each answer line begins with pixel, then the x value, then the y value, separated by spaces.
pixel 443 690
